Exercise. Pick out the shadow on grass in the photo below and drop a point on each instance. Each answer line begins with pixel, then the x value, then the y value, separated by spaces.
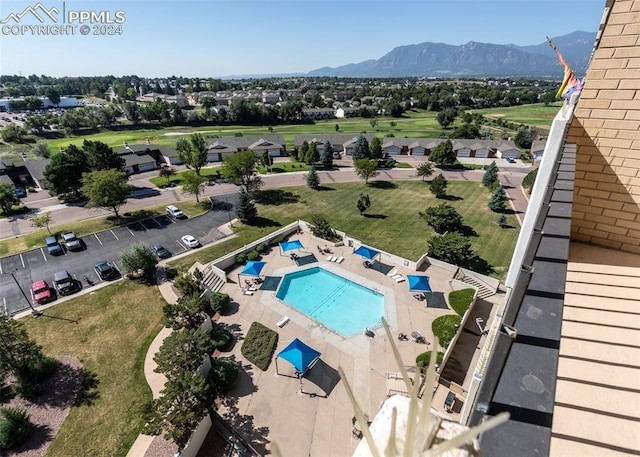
pixel 88 392
pixel 467 230
pixel 480 265
pixel 376 216
pixel 451 198
pixel 324 188
pixel 383 185
pixel 275 197
pixel 264 222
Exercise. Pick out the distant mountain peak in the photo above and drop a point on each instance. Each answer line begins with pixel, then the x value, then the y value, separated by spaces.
pixel 473 59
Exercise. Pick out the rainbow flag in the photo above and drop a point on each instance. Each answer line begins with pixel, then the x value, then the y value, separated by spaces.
pixel 570 82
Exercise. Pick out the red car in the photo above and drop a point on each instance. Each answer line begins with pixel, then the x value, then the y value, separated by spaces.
pixel 41 292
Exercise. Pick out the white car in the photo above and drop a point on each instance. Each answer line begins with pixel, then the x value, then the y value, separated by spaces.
pixel 190 241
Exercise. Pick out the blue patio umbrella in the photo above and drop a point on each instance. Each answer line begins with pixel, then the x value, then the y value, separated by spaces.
pixel 298 354
pixel 252 268
pixel 418 283
pixel 290 246
pixel 366 252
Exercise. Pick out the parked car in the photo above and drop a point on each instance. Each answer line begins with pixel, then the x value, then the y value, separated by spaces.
pixel 175 213
pixel 106 271
pixel 20 192
pixel 71 241
pixel 510 160
pixel 53 247
pixel 64 283
pixel 161 251
pixel 190 241
pixel 41 292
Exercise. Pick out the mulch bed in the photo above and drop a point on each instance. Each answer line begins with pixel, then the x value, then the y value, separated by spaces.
pixel 49 410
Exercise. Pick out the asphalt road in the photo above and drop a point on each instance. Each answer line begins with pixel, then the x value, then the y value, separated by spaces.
pixel 37 264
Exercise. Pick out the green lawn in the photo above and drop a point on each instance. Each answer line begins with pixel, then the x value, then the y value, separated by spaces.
pixel 539 114
pixel 111 340
pixel 393 223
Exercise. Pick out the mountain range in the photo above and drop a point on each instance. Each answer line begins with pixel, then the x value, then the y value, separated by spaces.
pixel 474 60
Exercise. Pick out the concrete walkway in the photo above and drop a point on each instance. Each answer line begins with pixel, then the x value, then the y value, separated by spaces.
pixel 155 380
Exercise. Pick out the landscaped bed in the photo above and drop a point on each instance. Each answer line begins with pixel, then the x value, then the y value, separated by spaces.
pixel 259 345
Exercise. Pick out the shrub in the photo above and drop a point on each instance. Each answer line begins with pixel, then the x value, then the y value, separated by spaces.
pixel 444 327
pixel 253 255
pixel 259 345
pixel 262 247
pixel 172 273
pixel 460 300
pixel 31 372
pixel 224 372
pixel 221 337
pixel 276 241
pixel 422 361
pixel 529 180
pixel 241 258
pixel 15 427
pixel 219 302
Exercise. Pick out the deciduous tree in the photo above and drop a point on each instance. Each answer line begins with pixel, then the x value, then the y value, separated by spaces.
pixel 186 312
pixel 442 218
pixel 167 172
pixel 452 248
pixel 138 257
pixel 8 198
pixel 446 117
pixel 64 172
pixel 193 153
pixel 193 183
pixel 443 154
pixel 241 168
pixel 101 157
pixel 41 221
pixel 366 169
pixel 106 189
pixel 424 170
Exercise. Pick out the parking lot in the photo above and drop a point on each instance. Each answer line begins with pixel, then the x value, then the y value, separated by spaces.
pixel 37 264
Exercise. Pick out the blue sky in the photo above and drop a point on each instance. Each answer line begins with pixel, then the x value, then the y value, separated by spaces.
pixel 218 38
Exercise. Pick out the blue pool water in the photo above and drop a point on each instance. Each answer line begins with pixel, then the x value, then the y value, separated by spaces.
pixel 334 301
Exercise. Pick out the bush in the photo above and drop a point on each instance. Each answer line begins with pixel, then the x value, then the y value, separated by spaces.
pixel 422 361
pixel 224 372
pixel 219 302
pixel 221 337
pixel 460 300
pixel 529 180
pixel 262 247
pixel 276 241
pixel 259 345
pixel 15 427
pixel 31 372
pixel 241 258
pixel 172 273
pixel 444 327
pixel 253 255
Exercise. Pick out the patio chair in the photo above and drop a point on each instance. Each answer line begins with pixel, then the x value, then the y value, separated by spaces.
pixel 281 323
pixel 332 258
pixel 393 272
pixel 247 292
pixel 398 278
pixel 449 401
pixel 339 260
pixel 367 264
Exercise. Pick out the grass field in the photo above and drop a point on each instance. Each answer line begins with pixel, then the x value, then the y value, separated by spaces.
pixel 539 115
pixel 111 339
pixel 392 223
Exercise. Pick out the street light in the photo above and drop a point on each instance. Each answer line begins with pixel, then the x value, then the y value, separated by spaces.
pixel 226 200
pixel 34 312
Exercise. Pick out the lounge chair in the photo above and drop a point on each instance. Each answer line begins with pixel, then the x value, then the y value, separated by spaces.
pixel 332 258
pixel 393 272
pixel 282 321
pixel 367 264
pixel 329 258
pixel 449 402
pixel 400 279
pixel 339 260
pixel 247 292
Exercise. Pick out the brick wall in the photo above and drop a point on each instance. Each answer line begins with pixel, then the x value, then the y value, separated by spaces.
pixel 606 129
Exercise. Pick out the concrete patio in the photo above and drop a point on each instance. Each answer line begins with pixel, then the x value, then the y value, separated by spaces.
pixel 267 408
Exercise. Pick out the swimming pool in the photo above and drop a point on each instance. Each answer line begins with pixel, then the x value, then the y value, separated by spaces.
pixel 334 301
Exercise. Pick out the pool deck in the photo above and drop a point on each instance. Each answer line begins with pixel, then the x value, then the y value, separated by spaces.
pixel 267 407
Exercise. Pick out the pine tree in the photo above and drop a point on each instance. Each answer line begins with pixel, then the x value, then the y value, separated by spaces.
pixel 361 149
pixel 498 200
pixel 327 155
pixel 313 155
pixel 313 180
pixel 502 220
pixel 363 203
pixel 304 150
pixel 246 209
pixel 491 175
pixel 438 186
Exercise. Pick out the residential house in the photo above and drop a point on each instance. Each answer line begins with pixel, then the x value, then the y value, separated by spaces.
pixel 137 160
pixel 537 149
pixel 274 145
pixel 317 114
pixel 346 112
pixel 507 149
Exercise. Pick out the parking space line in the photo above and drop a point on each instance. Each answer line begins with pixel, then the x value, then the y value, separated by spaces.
pixel 114 235
pixel 143 227
pixel 22 260
pixel 132 234
pixel 181 245
pixel 154 220
pixel 43 255
pixel 96 235
pixel 4 303
pixel 1 272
